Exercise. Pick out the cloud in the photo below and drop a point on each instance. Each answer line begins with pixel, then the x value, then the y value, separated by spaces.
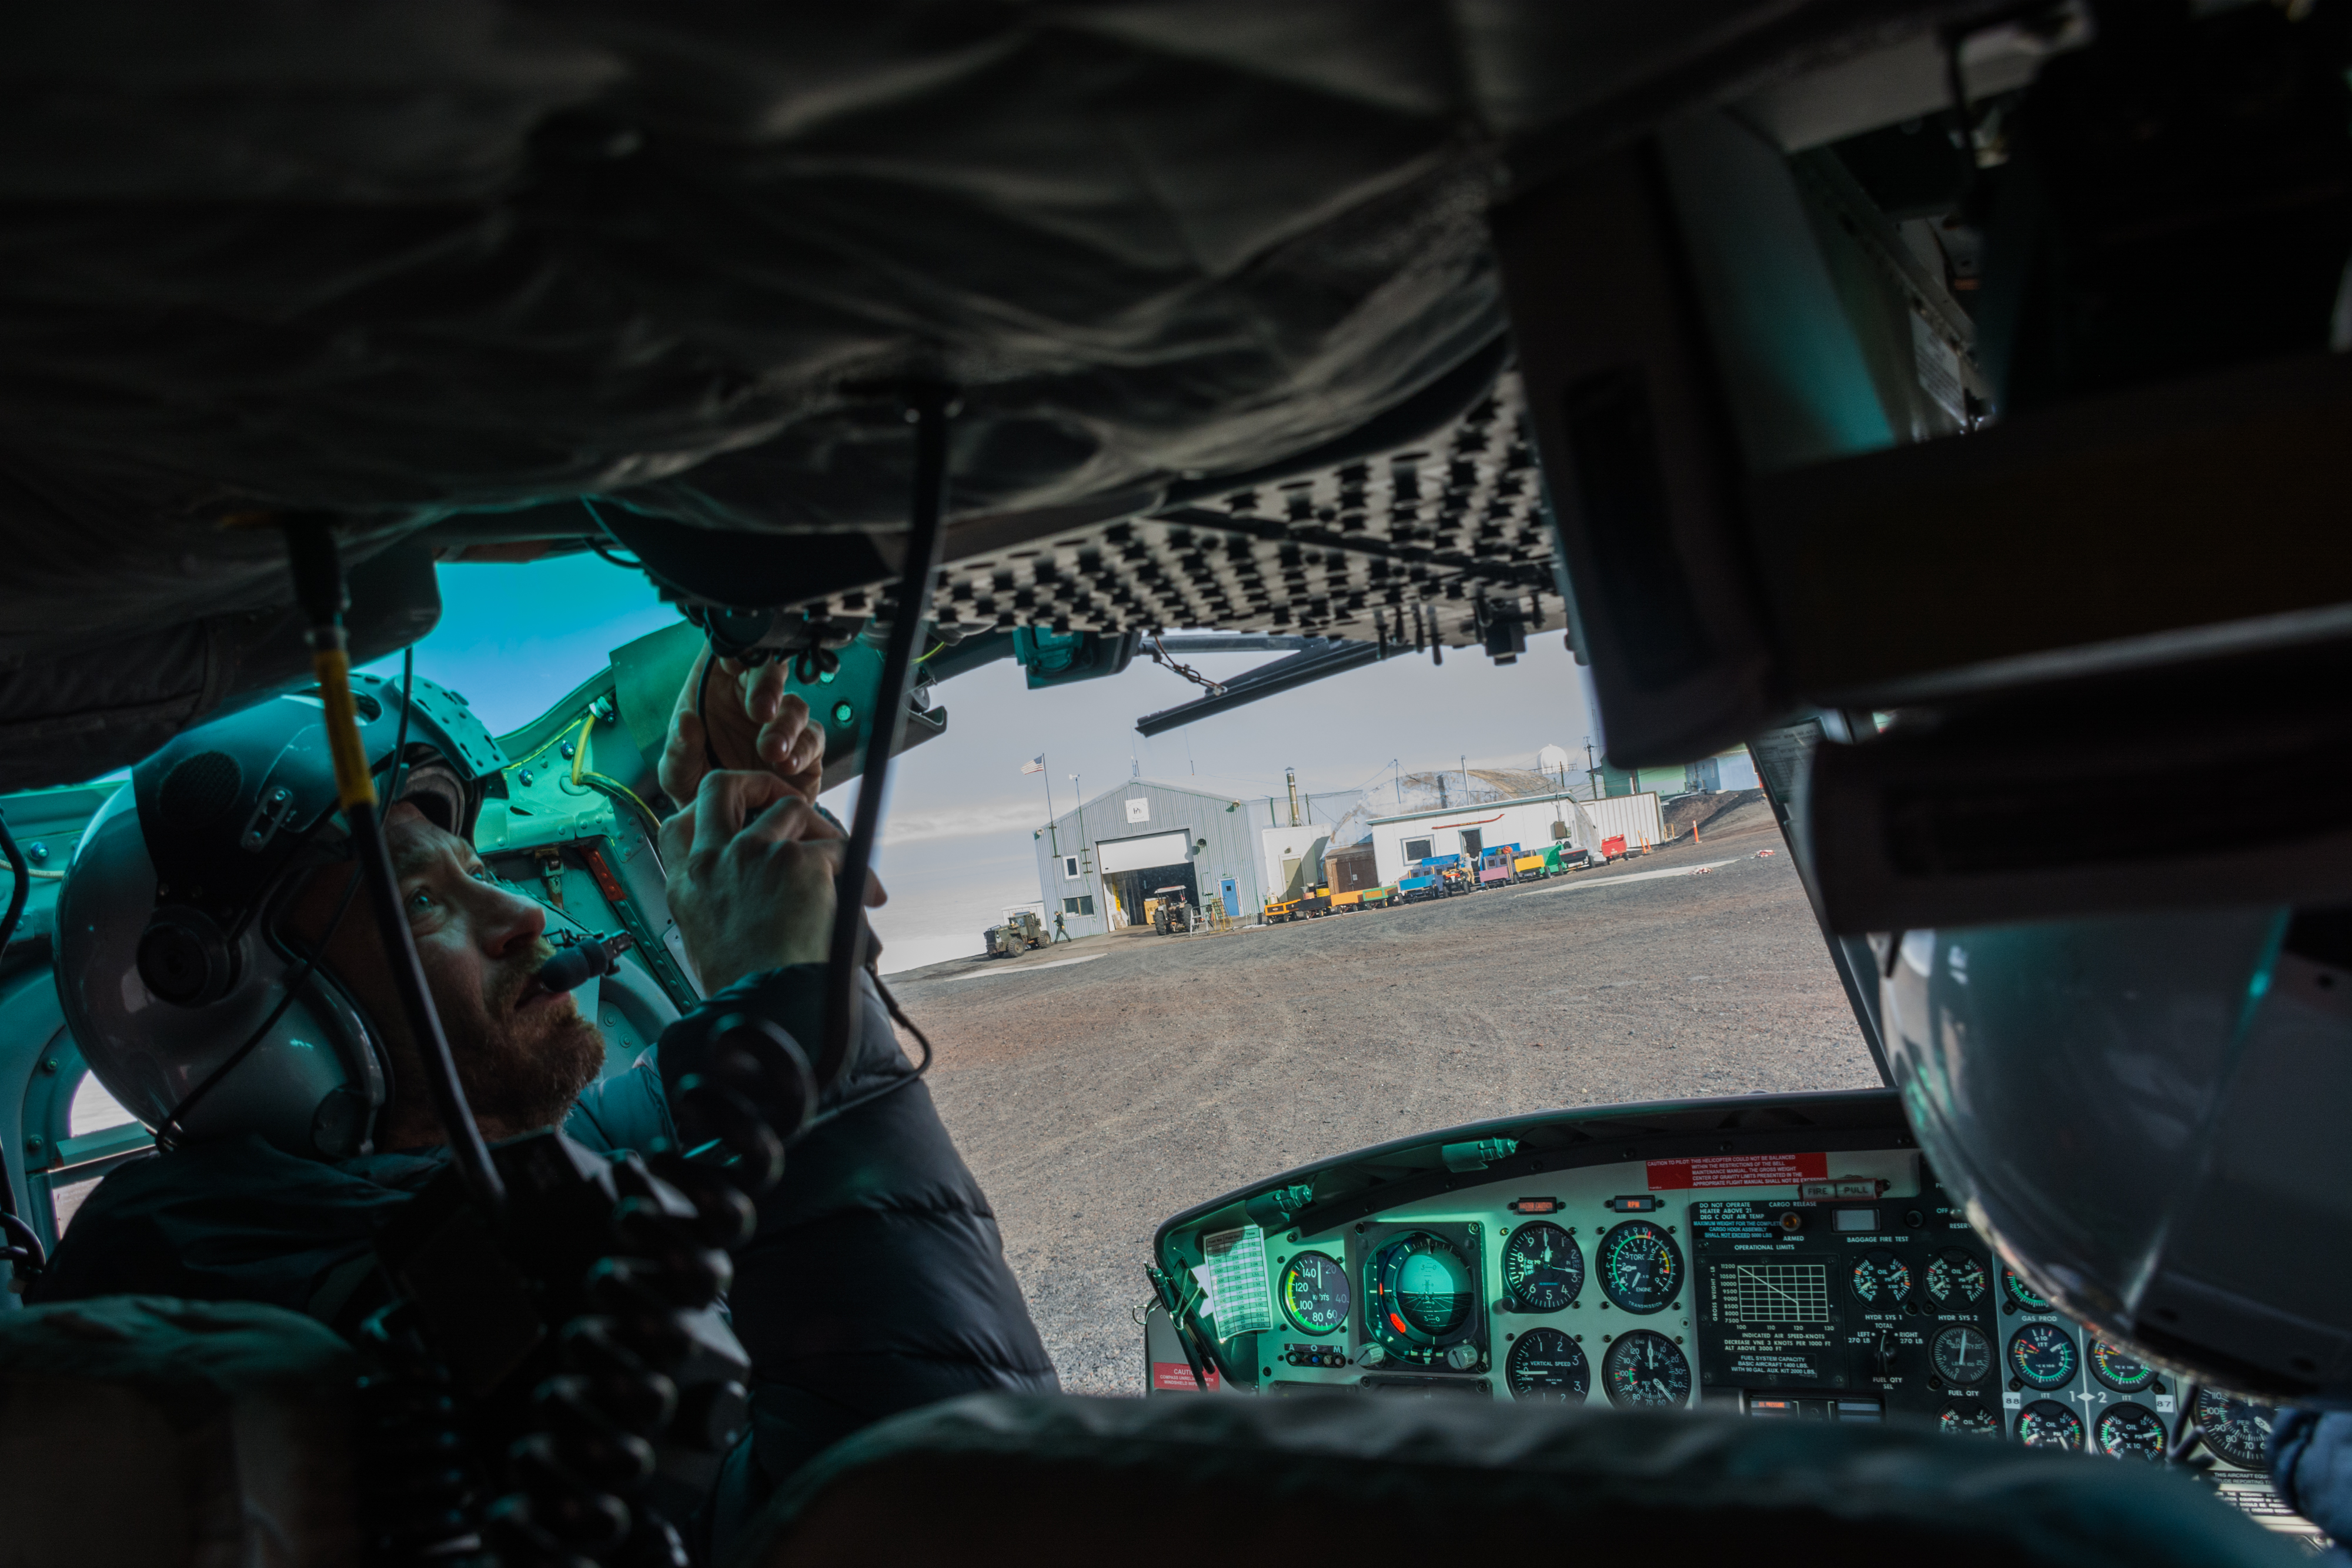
pixel 964 821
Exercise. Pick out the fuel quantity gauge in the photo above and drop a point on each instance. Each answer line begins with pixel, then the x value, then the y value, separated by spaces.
pixel 1961 1355
pixel 2041 1355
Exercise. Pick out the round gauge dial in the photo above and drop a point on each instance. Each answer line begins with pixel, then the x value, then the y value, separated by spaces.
pixel 2046 1424
pixel 1315 1293
pixel 1955 1279
pixel 1961 1355
pixel 2123 1373
pixel 1645 1370
pixel 1880 1279
pixel 1641 1267
pixel 1967 1420
pixel 2130 1431
pixel 2041 1355
pixel 1542 1269
pixel 2237 1429
pixel 1547 1364
pixel 2027 1298
pixel 1422 1290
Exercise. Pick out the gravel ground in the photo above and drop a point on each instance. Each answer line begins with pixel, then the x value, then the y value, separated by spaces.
pixel 1093 1098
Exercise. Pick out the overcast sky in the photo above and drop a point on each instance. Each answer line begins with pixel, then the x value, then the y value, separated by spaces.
pixel 956 844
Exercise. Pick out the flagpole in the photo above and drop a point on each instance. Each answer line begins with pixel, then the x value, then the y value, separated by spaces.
pixel 1049 799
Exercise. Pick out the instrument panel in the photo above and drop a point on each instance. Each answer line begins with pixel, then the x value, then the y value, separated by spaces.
pixel 1790 1283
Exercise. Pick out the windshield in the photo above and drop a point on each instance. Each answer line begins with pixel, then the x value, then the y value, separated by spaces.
pixel 1409 897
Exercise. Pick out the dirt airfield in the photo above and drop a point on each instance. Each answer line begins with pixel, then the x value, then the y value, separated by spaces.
pixel 1099 1087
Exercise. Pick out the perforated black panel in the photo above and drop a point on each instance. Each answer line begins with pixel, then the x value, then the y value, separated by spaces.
pixel 1452 528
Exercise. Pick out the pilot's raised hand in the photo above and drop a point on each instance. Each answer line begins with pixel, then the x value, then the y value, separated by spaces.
pixel 752 866
pixel 749 722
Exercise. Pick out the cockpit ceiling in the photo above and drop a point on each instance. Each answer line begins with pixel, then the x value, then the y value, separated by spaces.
pixel 404 263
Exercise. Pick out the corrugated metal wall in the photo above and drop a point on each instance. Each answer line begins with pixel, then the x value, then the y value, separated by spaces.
pixel 1525 822
pixel 1229 826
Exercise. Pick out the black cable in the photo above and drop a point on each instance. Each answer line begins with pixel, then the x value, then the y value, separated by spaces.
pixel 928 410
pixel 598 518
pixel 167 1136
pixel 895 1084
pixel 320 588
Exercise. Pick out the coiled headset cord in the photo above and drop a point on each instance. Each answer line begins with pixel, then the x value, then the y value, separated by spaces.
pixel 580 1477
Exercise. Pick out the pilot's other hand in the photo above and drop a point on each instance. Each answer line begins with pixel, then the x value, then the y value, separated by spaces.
pixel 749 722
pixel 751 867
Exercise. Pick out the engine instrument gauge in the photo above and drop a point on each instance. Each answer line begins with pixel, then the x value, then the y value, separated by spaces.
pixel 1967 1420
pixel 2130 1431
pixel 2046 1424
pixel 2124 1373
pixel 1961 1355
pixel 1542 1268
pixel 1548 1365
pixel 2027 1298
pixel 1880 1279
pixel 2041 1355
pixel 2237 1429
pixel 1646 1371
pixel 1955 1279
pixel 1315 1293
pixel 1421 1292
pixel 1641 1268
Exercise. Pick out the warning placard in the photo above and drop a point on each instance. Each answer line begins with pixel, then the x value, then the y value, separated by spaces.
pixel 1176 1377
pixel 1737 1170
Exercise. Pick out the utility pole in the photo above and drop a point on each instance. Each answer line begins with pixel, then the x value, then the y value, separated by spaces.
pixel 1396 779
pixel 1468 795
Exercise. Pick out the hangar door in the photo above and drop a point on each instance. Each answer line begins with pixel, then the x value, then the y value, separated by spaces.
pixel 1133 868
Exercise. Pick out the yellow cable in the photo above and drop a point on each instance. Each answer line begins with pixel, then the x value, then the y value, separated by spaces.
pixel 579 752
pixel 354 785
pixel 596 780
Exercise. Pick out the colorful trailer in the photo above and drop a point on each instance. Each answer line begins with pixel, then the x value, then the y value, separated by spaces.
pixel 1495 865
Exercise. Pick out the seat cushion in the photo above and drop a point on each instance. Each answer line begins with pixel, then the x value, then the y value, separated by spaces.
pixel 1050 1480
pixel 147 1432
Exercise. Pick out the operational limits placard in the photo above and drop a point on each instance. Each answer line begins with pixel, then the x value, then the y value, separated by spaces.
pixel 1769 1312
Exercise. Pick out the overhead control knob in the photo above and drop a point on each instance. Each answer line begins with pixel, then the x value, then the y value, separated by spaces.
pixel 1462 1356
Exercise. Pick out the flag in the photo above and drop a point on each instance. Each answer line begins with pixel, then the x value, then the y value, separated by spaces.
pixel 1034 764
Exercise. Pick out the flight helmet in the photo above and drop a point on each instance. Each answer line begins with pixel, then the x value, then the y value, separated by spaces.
pixel 2147 1118
pixel 171 961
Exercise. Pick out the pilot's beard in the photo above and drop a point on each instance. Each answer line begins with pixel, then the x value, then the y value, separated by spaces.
pixel 520 1072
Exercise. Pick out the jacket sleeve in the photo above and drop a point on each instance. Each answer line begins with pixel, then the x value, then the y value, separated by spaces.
pixel 876 1280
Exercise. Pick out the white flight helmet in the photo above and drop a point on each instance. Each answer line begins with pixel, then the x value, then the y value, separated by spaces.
pixel 168 958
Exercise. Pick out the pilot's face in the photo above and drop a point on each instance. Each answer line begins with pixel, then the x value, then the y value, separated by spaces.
pixel 522 1054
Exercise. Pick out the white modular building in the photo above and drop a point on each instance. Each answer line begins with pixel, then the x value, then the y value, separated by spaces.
pixel 1532 822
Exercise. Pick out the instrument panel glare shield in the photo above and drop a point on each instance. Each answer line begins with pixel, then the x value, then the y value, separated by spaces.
pixel 1543 1269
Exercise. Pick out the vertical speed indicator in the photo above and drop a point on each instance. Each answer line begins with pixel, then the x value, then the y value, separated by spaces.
pixel 1641 1268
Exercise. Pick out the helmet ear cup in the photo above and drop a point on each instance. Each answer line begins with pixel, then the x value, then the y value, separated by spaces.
pixel 185 959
